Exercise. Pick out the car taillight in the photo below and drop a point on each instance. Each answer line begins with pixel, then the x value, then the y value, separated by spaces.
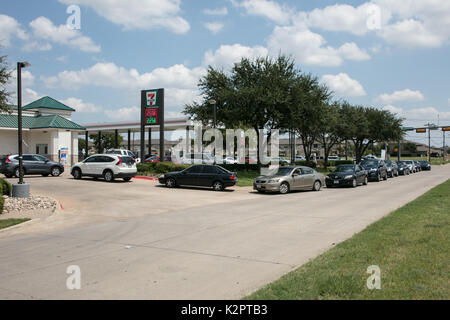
pixel 8 160
pixel 233 177
pixel 119 162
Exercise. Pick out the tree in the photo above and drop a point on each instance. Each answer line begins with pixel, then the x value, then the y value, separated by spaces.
pixel 366 126
pixel 254 95
pixel 108 141
pixel 5 76
pixel 307 103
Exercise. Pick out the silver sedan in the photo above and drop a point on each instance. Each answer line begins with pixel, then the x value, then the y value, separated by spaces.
pixel 290 178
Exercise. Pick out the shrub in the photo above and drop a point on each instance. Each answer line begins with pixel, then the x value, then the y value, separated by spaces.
pixel 7 188
pixel 340 162
pixel 2 204
pixel 159 167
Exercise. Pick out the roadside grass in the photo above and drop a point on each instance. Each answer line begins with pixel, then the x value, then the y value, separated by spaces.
pixel 246 178
pixel 411 247
pixel 11 222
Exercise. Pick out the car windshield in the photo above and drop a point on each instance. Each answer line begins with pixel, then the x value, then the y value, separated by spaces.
pixel 423 162
pixel 369 163
pixel 344 169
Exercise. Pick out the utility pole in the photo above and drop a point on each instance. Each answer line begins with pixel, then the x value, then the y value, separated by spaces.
pixel 399 150
pixel 443 147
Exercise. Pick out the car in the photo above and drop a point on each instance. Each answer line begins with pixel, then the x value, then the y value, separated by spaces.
pixel 403 168
pixel 392 168
pixel 108 166
pixel 369 157
pixel 300 158
pixel 289 179
pixel 32 164
pixel 376 169
pixel 123 152
pixel 156 158
pixel 418 166
pixel 411 166
pixel 229 160
pixel 349 175
pixel 212 176
pixel 425 165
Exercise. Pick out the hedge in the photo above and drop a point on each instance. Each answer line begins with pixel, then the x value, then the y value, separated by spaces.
pixel 304 163
pixel 2 203
pixel 159 167
pixel 7 188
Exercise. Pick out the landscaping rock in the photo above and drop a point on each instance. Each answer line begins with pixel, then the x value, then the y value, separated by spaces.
pixel 33 203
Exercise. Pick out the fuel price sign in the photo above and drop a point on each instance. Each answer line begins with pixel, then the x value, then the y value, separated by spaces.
pixel 151 116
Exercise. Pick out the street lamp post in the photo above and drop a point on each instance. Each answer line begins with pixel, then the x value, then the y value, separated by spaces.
pixel 214 104
pixel 20 190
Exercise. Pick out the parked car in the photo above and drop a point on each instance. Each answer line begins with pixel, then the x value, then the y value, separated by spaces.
pixel 123 152
pixel 108 166
pixel 418 166
pixel 156 158
pixel 334 158
pixel 403 168
pixel 211 176
pixel 392 168
pixel 376 169
pixel 229 160
pixel 290 178
pixel 347 175
pixel 300 158
pixel 32 164
pixel 425 165
pixel 411 166
pixel 369 157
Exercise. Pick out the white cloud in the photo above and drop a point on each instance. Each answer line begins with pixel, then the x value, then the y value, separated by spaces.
pixel 81 106
pixel 266 8
pixel 403 95
pixel 448 100
pixel 112 76
pixel 123 114
pixel 343 85
pixel 214 27
pixel 216 12
pixel 394 110
pixel 10 28
pixel 418 114
pixel 29 96
pixel 139 14
pixel 227 55
pixel 310 48
pixel 44 29
pixel 36 46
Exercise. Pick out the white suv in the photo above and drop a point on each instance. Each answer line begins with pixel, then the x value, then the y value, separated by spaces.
pixel 123 152
pixel 108 166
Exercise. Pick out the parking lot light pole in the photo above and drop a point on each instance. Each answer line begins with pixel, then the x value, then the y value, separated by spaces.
pixel 214 104
pixel 20 190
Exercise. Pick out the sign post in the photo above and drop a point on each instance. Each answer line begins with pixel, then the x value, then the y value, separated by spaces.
pixel 152 114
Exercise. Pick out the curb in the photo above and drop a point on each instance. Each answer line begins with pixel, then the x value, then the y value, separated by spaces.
pixel 145 178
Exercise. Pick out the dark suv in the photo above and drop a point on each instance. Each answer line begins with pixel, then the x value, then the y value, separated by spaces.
pixel 376 169
pixel 32 164
pixel 211 176
pixel 392 168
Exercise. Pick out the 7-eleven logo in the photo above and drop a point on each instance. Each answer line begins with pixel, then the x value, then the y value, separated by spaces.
pixel 151 98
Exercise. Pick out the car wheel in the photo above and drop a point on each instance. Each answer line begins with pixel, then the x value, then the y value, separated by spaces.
pixel 366 181
pixel 108 176
pixel 77 174
pixel 317 186
pixel 56 172
pixel 8 175
pixel 354 183
pixel 127 179
pixel 378 177
pixel 218 186
pixel 284 188
pixel 171 183
pixel 385 177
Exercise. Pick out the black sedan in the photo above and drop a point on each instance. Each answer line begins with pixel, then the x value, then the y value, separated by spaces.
pixel 425 165
pixel 347 175
pixel 210 176
pixel 403 168
pixel 392 168
pixel 376 169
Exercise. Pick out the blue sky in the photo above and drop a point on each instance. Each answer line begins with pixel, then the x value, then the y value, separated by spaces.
pixel 384 53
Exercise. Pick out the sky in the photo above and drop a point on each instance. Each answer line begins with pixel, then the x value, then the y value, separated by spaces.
pixel 387 54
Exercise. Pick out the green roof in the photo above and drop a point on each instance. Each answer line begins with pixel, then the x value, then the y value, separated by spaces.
pixel 40 122
pixel 47 103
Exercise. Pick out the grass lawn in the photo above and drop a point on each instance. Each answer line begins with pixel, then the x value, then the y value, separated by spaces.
pixel 411 246
pixel 245 178
pixel 11 222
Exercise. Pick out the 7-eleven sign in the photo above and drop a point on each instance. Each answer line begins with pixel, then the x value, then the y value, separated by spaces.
pixel 151 98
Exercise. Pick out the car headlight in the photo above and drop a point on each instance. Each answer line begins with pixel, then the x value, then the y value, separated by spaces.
pixel 274 181
pixel 373 170
pixel 162 176
pixel 348 177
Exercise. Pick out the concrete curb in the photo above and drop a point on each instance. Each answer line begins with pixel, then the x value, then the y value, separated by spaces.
pixel 145 178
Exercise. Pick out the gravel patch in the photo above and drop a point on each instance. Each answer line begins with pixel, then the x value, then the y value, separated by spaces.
pixel 33 203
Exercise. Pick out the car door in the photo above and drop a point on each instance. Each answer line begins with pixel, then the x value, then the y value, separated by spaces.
pixel 190 176
pixel 360 175
pixel 298 179
pixel 88 166
pixel 42 164
pixel 207 176
pixel 30 164
pixel 308 178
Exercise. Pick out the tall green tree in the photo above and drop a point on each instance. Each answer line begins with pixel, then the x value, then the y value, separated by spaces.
pixel 108 141
pixel 5 76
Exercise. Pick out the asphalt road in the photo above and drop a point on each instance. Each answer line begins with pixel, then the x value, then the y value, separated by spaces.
pixel 139 241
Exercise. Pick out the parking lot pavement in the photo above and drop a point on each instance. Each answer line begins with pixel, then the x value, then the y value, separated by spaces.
pixel 141 241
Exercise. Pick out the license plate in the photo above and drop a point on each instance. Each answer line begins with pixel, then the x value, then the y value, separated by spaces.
pixel 336 181
pixel 258 186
